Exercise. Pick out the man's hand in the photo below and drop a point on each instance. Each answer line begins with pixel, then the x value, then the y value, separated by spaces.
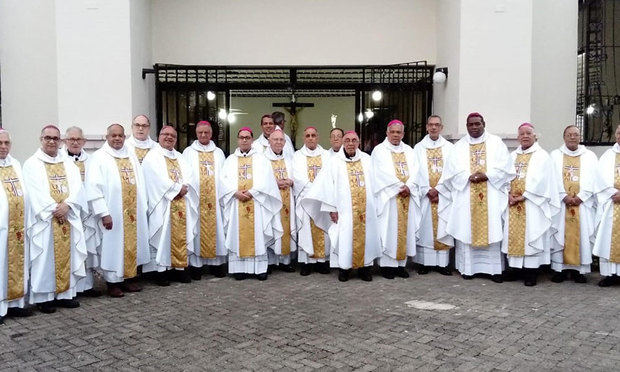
pixel 106 221
pixel 478 177
pixel 334 216
pixel 241 196
pixel 404 191
pixel 433 195
pixel 616 197
pixel 60 213
pixel 182 193
pixel 514 199
pixel 285 183
pixel 572 200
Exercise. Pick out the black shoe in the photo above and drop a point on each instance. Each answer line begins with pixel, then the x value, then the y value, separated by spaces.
pixel 18 312
pixel 1 320
pixel 530 277
pixel 423 270
pixel 343 275
pixel 287 268
pixel 91 293
pixel 511 275
pixel 386 272
pixel 67 304
pixel 497 278
pixel 322 267
pixel 46 307
pixel 218 271
pixel 161 279
pixel 401 272
pixel 607 281
pixel 444 271
pixel 579 278
pixel 467 277
pixel 195 273
pixel 365 274
pixel 305 269
pixel 240 276
pixel 558 277
pixel 262 276
pixel 270 269
pixel 182 276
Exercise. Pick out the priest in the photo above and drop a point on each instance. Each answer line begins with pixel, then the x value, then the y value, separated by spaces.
pixel 430 154
pixel 140 142
pixel 312 240
pixel 345 191
pixel 251 202
pixel 335 140
pixel 478 171
pixel 172 216
pixel 279 120
pixel 281 250
pixel 267 126
pixel 206 161
pixel 117 195
pixel 533 202
pixel 576 178
pixel 54 227
pixel 607 243
pixel 394 168
pixel 14 260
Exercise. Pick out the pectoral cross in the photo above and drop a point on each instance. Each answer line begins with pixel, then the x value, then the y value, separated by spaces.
pixel 570 171
pixel 519 167
pixel 357 174
pixel 280 173
pixel 315 170
pixel 176 175
pixel 208 166
pixel 244 170
pixel 14 182
pixel 478 154
pixel 435 163
pixel 402 167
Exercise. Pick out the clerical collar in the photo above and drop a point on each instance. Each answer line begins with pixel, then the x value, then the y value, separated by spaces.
pixel 317 151
pixel 143 144
pixel 350 157
pixel 535 146
pixel 428 142
pixel 475 141
pixel 392 147
pixel 75 157
pixel 580 150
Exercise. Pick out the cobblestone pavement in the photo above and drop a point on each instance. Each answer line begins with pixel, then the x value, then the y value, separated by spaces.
pixel 291 322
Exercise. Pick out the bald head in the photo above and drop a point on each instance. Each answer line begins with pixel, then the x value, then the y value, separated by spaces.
pixel 276 141
pixel 116 136
pixel 168 137
pixel 140 126
pixel 5 144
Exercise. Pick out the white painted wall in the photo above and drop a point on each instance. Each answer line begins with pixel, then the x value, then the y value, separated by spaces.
pixel 293 32
pixel 142 90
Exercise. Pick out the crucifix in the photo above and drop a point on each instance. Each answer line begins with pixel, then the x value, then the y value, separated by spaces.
pixel 315 169
pixel 478 154
pixel 435 163
pixel 176 175
pixel 570 172
pixel 14 182
pixel 207 166
pixel 357 174
pixel 402 167
pixel 519 167
pixel 293 108
pixel 280 173
pixel 127 174
pixel 243 171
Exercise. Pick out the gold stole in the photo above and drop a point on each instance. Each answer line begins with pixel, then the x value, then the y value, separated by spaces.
pixel 614 254
pixel 402 204
pixel 246 209
pixel 516 213
pixel 208 220
pixel 479 207
pixel 130 211
pixel 141 153
pixel 572 231
pixel 15 234
pixel 434 163
pixel 358 204
pixel 80 165
pixel 178 220
pixel 279 171
pixel 59 191
pixel 314 164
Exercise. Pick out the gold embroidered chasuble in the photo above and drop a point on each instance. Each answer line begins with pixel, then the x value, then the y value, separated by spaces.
pixel 402 204
pixel 15 234
pixel 357 185
pixel 314 164
pixel 614 254
pixel 141 153
pixel 82 167
pixel 208 206
pixel 517 212
pixel 572 232
pixel 178 220
pixel 245 209
pixel 59 191
pixel 280 172
pixel 130 220
pixel 478 197
pixel 434 163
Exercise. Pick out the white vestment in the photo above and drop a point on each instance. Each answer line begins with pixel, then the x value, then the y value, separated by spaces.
pixel 267 204
pixel 331 192
pixel 192 157
pixel 17 189
pixel 470 259
pixel 261 144
pixel 425 253
pixel 301 187
pixel 386 186
pixel 541 205
pixel 605 216
pixel 587 179
pixel 40 228
pixel 105 194
pixel 161 190
pixel 133 143
pixel 332 153
pixel 275 250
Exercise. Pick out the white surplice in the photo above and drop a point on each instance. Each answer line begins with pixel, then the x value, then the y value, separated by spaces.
pixel 161 190
pixel 261 144
pixel 331 192
pixel 471 260
pixel 541 205
pixel 386 186
pixel 105 194
pixel 301 186
pixel 191 155
pixel 425 251
pixel 587 213
pixel 39 227
pixel 267 204
pixel 132 143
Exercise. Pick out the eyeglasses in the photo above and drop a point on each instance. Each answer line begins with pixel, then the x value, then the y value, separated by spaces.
pixel 244 138
pixel 74 139
pixel 143 126
pixel 351 140
pixel 50 139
